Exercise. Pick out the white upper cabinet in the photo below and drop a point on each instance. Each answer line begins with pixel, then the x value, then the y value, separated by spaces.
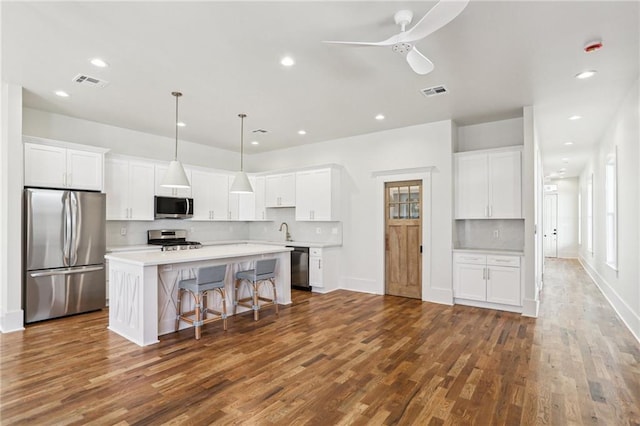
pixel 58 167
pixel 488 184
pixel 259 191
pixel 129 187
pixel 280 190
pixel 161 170
pixel 251 206
pixel 210 193
pixel 318 194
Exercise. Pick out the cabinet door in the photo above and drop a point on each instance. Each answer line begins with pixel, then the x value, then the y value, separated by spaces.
pixel 315 271
pixel 288 189
pixel 470 281
pixel 322 206
pixel 161 170
pixel 233 212
pixel 306 183
pixel 44 166
pixel 272 191
pixel 141 184
pixel 84 170
pixel 116 186
pixel 247 203
pixel 503 285
pixel 505 199
pixel 202 192
pixel 260 203
pixel 471 186
pixel 219 196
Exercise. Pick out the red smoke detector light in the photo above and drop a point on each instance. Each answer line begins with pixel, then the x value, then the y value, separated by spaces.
pixel 592 46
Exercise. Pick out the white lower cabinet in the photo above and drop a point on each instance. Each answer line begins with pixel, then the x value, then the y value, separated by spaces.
pixel 323 269
pixel 487 278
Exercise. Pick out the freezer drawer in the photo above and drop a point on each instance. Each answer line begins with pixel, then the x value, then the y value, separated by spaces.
pixel 58 292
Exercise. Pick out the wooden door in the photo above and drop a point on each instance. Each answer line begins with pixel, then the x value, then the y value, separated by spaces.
pixel 550 225
pixel 403 239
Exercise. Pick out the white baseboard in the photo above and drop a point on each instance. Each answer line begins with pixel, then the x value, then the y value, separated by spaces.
pixel 488 305
pixel 624 312
pixel 530 308
pixel 12 321
pixel 443 296
pixel 359 284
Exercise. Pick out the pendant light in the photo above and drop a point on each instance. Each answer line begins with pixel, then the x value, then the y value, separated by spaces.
pixel 175 176
pixel 241 184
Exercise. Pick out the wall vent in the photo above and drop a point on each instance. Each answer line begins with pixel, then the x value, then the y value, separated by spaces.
pixel 89 81
pixel 433 91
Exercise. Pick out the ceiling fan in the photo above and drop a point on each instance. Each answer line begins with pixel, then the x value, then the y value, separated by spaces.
pixel 437 17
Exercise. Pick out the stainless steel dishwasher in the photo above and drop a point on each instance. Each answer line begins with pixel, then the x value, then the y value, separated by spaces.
pixel 300 268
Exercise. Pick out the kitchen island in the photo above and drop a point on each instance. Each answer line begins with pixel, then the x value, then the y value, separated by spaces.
pixel 143 286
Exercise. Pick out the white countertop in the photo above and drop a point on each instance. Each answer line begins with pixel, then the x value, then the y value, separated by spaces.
pixel 150 247
pixel 489 251
pixel 156 257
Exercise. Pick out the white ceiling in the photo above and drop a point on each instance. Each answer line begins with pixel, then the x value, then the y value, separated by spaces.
pixel 494 58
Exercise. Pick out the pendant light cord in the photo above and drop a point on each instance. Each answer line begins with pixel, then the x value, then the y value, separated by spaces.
pixel 177 95
pixel 242 116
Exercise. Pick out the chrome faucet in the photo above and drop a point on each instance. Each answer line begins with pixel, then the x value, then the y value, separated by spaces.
pixel 286 227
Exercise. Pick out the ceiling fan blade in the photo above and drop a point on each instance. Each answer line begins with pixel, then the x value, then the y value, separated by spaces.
pixel 439 16
pixel 388 42
pixel 418 62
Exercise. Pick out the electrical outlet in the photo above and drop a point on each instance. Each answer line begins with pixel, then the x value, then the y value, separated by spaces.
pixel 496 233
pixel 123 231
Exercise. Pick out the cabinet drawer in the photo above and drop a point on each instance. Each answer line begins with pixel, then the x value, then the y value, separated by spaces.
pixel 315 251
pixel 470 258
pixel 494 260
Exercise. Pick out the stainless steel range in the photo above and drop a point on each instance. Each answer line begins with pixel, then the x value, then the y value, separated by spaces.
pixel 171 239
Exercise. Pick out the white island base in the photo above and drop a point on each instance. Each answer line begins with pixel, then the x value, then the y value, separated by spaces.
pixel 143 286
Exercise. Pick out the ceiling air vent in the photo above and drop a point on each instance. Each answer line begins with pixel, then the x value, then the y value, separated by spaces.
pixel 86 80
pixel 433 91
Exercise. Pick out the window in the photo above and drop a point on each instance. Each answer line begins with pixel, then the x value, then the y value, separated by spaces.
pixel 590 214
pixel 611 217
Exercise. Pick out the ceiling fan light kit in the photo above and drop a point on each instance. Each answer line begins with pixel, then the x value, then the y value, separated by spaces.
pixel 175 176
pixel 403 42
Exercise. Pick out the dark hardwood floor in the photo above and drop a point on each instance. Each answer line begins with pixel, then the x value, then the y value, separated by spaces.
pixel 340 358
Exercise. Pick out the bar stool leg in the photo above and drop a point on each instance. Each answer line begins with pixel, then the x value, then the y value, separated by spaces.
pixel 235 296
pixel 256 305
pixel 224 309
pixel 275 295
pixel 179 309
pixel 198 319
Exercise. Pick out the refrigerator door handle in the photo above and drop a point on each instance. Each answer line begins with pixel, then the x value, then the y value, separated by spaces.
pixel 73 246
pixel 66 225
pixel 67 271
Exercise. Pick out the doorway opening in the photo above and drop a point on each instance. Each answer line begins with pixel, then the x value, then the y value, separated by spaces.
pixel 550 221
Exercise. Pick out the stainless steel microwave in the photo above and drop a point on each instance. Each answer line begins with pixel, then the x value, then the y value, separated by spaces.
pixel 173 207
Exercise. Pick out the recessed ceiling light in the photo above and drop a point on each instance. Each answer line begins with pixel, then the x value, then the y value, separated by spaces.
pixel 180 124
pixel 565 160
pixel 99 63
pixel 568 143
pixel 586 74
pixel 62 93
pixel 255 143
pixel 287 61
pixel 562 170
pixel 575 117
pixel 379 117
pixel 302 132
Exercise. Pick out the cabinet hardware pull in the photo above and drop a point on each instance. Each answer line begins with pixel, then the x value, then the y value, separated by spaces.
pixel 488 273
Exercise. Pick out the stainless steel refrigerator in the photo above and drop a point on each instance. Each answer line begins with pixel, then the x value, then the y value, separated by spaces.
pixel 64 242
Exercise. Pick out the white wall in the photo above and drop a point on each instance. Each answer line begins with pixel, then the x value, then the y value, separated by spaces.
pixel 411 147
pixel 11 183
pixel 621 286
pixel 494 134
pixel 567 217
pixel 124 141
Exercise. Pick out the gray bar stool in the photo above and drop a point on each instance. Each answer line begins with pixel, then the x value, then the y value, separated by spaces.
pixel 263 273
pixel 208 278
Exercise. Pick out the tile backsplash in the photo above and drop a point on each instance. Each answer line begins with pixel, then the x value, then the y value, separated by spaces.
pixel 135 232
pixel 502 234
